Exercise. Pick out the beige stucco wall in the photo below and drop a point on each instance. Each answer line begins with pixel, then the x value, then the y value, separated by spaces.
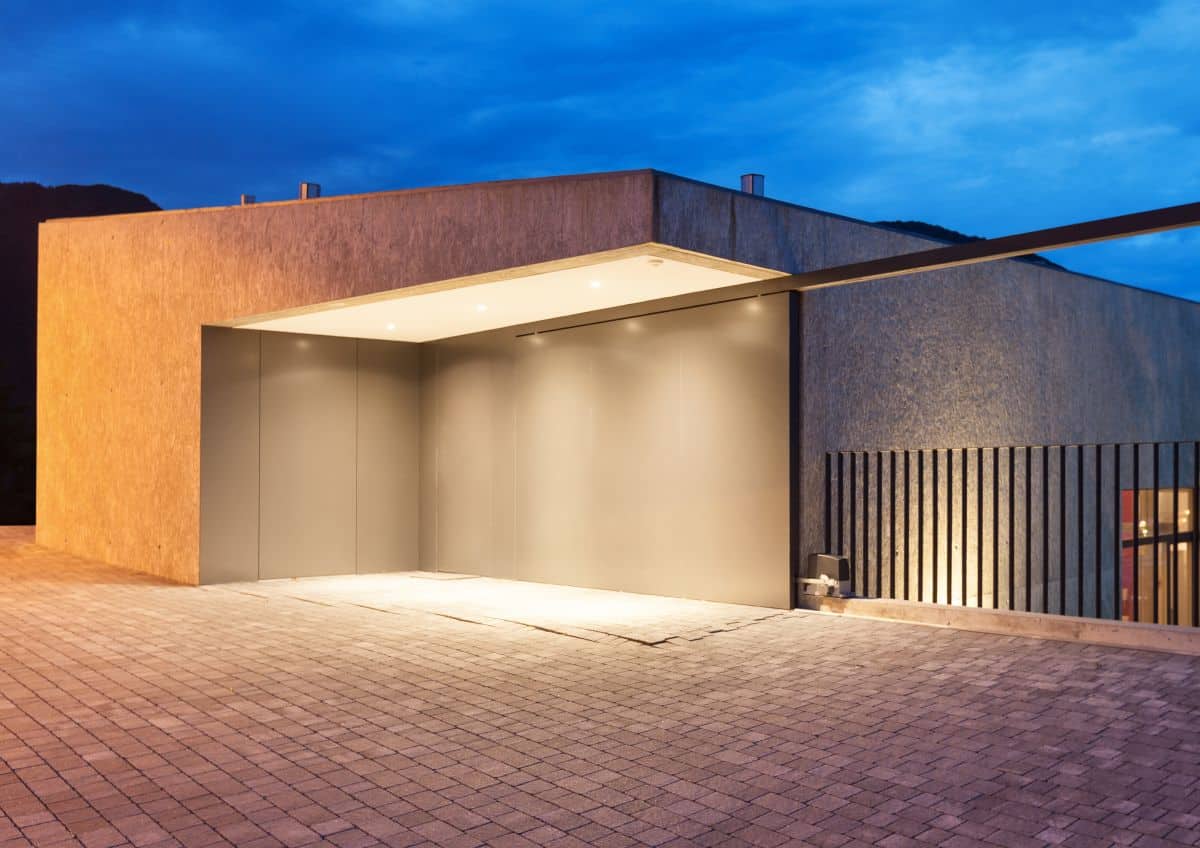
pixel 122 300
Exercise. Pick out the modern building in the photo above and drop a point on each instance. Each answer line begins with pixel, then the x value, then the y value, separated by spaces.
pixel 599 380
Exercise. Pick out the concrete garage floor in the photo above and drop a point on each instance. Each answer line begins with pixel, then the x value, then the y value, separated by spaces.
pixel 413 711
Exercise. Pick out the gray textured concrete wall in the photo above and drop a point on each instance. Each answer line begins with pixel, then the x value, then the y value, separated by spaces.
pixel 997 355
pixel 1006 353
pixel 764 232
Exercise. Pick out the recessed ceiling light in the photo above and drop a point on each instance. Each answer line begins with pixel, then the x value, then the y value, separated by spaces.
pixel 391 326
pixel 655 261
pixel 481 307
pixel 595 284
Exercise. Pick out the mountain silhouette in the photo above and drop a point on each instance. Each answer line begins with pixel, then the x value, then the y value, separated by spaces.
pixel 22 207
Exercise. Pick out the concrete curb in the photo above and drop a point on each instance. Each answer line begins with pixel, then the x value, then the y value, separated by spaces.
pixel 1114 634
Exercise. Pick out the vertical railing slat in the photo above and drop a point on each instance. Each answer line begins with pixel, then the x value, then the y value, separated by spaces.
pixel 1154 533
pixel 879 524
pixel 979 529
pixel 1116 575
pixel 934 547
pixel 853 521
pixel 963 588
pixel 920 525
pixel 1098 528
pixel 1135 536
pixel 892 523
pixel 1046 529
pixel 828 503
pixel 1079 530
pixel 949 528
pixel 866 460
pixel 1195 542
pixel 1062 529
pixel 907 529
pixel 1173 584
pixel 995 528
pixel 1028 529
pixel 1012 527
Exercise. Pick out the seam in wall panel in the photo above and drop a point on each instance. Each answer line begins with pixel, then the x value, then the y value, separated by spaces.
pixel 437 462
pixel 258 546
pixel 357 435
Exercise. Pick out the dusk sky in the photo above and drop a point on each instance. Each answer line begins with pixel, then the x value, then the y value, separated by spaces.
pixel 988 118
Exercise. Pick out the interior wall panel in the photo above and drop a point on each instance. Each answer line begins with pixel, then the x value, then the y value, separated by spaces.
pixel 648 454
pixel 308 456
pixel 732 477
pixel 468 457
pixel 229 455
pixel 652 454
pixel 427 440
pixel 387 456
pixel 555 492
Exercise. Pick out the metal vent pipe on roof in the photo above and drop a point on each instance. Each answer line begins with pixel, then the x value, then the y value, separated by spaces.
pixel 248 199
pixel 309 190
pixel 753 183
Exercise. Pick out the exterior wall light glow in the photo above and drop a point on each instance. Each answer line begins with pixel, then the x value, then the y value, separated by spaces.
pixel 595 284
pixel 481 307
pixel 391 325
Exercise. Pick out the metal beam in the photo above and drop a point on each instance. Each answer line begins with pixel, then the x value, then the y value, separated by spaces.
pixel 1005 247
pixel 951 256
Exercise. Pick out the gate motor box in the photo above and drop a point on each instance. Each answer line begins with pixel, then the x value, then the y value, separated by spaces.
pixel 826 574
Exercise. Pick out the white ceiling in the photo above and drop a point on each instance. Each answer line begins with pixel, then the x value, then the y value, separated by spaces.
pixel 412 315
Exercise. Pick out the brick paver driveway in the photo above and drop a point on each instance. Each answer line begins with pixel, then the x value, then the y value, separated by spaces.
pixel 133 712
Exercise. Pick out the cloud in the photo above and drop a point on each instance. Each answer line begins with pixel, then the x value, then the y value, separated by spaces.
pixel 997 135
pixel 865 108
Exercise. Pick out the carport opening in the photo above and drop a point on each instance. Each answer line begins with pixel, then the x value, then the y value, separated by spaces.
pixel 645 453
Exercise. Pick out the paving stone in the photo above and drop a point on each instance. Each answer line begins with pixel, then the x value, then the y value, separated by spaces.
pixel 402 711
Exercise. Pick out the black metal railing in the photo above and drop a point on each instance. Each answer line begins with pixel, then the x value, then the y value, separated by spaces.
pixel 1097 530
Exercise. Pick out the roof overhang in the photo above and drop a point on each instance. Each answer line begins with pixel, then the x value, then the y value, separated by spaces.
pixel 515 296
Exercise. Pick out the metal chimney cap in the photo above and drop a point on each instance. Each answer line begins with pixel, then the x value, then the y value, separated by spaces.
pixel 309 190
pixel 753 183
pixel 248 199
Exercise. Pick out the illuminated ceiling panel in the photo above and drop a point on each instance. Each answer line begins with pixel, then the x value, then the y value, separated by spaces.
pixel 425 313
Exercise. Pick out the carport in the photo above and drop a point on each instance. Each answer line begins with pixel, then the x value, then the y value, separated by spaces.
pixel 541 426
